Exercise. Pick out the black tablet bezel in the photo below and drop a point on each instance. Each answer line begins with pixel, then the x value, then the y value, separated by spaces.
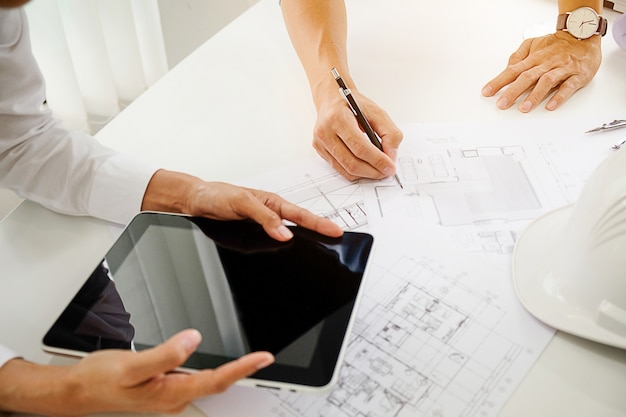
pixel 322 369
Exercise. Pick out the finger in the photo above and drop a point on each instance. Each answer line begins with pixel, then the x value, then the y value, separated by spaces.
pixel 334 163
pixel 522 52
pixel 524 82
pixel 218 380
pixel 267 210
pixel 564 92
pixel 366 161
pixel 343 160
pixel 174 391
pixel 259 206
pixel 308 220
pixel 390 135
pixel 544 85
pixel 354 152
pixel 163 358
pixel 511 72
pixel 277 208
pixel 330 145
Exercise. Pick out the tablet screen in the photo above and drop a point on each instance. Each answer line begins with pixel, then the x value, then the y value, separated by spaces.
pixel 240 288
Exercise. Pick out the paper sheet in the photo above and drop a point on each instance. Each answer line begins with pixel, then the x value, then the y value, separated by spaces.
pixel 440 331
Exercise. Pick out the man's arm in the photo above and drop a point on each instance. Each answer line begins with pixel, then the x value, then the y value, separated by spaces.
pixel 555 61
pixel 318 32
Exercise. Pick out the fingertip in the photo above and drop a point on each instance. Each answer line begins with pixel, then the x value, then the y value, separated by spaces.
pixel 333 230
pixel 389 171
pixel 190 339
pixel 264 359
pixel 283 232
pixel 163 358
pixel 526 106
pixel 393 154
pixel 280 233
pixel 552 105
pixel 487 91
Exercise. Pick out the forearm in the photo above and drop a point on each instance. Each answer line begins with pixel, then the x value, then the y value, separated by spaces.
pixel 32 388
pixel 318 32
pixel 569 5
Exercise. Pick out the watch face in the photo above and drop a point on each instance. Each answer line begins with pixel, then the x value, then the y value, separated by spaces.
pixel 583 22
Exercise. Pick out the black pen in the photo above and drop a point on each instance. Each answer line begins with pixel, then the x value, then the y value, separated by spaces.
pixel 360 117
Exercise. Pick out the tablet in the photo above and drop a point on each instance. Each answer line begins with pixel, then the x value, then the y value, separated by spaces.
pixel 243 290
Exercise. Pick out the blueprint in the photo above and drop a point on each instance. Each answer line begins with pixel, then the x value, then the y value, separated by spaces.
pixel 439 330
pixel 482 184
pixel 323 192
pixel 432 338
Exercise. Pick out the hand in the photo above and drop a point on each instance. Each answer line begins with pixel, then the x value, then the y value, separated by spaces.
pixel 120 381
pixel 229 202
pixel 339 140
pixel 551 62
pixel 181 193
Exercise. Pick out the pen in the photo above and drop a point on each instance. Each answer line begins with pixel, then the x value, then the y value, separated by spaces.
pixel 360 117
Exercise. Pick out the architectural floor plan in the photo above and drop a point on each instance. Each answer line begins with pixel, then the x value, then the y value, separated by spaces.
pixel 330 196
pixel 428 342
pixel 440 331
pixel 431 339
pixel 481 192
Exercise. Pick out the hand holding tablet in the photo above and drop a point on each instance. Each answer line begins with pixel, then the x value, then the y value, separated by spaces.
pixel 242 290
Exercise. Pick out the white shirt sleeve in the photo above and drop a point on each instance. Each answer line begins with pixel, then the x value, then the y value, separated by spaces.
pixel 69 172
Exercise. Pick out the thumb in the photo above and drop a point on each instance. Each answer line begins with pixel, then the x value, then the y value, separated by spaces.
pixel 165 357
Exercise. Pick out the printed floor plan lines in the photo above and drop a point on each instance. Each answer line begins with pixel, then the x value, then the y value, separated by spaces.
pixel 481 196
pixel 316 187
pixel 330 196
pixel 425 344
pixel 469 186
pixel 440 331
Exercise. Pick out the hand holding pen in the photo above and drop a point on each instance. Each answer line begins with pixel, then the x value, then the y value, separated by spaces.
pixel 346 93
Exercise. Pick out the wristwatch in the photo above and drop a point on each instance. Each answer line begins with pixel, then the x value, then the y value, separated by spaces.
pixel 582 23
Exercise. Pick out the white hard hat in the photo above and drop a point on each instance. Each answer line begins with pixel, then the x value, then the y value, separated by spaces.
pixel 569 266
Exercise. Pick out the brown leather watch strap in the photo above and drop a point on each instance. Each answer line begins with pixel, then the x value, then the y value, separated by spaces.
pixel 560 21
pixel 603 26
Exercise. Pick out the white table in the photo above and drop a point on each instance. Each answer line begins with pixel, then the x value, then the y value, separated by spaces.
pixel 240 105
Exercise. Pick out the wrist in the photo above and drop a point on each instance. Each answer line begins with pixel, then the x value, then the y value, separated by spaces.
pixel 595 41
pixel 170 191
pixel 326 91
pixel 34 388
pixel 569 5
